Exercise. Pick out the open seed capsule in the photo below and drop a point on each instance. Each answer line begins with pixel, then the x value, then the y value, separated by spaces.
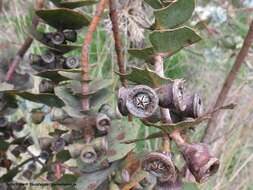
pixel 141 101
pixel 88 154
pixel 48 57
pixel 70 35
pixel 57 38
pixel 193 106
pixel 199 161
pixel 172 96
pixel 160 165
pixel 71 63
pixel 46 86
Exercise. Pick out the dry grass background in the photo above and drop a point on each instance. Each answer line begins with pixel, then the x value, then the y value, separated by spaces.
pixel 235 127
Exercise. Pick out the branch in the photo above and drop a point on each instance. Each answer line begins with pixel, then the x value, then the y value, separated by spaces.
pixel 118 44
pixel 85 51
pixel 28 41
pixel 212 125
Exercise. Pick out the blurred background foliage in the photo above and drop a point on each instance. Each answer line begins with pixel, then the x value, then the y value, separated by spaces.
pixel 223 24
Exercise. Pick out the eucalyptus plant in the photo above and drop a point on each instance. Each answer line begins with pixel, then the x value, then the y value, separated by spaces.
pixel 100 141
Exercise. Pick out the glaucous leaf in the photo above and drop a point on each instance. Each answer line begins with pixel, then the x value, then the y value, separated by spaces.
pixel 72 4
pixel 62 18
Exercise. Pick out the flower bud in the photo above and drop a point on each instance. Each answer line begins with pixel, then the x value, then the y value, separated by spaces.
pixel 88 154
pixel 70 35
pixel 46 86
pixel 71 63
pixel 160 165
pixel 193 106
pixel 37 117
pixel 199 161
pixel 172 95
pixel 57 38
pixel 122 96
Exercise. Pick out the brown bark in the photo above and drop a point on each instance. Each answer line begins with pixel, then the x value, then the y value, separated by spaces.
pixel 118 43
pixel 212 124
pixel 28 41
pixel 85 51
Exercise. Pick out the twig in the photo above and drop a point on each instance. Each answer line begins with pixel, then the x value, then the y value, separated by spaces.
pixel 118 44
pixel 212 124
pixel 28 41
pixel 85 52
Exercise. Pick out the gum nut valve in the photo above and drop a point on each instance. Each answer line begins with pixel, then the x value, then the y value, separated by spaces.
pixel 160 165
pixel 88 154
pixel 194 106
pixel 58 38
pixel 71 63
pixel 199 161
pixel 140 101
pixel 172 95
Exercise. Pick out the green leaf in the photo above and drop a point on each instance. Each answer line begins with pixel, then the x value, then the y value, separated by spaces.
pixel 144 53
pixel 59 75
pixel 190 186
pixel 63 156
pixel 92 180
pixel 146 76
pixel 4 145
pixel 47 99
pixel 177 13
pixel 156 4
pixel 72 4
pixel 63 18
pixel 172 40
pixel 63 48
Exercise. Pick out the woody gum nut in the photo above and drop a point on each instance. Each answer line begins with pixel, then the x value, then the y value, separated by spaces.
pixel 58 38
pixel 58 145
pixel 172 95
pixel 199 161
pixel 122 176
pixel 70 35
pixel 46 86
pixel 160 165
pixel 194 106
pixel 48 57
pixel 155 117
pixel 122 96
pixel 3 122
pixel 71 63
pixel 142 101
pixel 88 154
pixel 75 150
pixel 45 142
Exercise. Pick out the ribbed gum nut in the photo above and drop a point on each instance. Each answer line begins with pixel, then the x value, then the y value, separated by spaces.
pixel 199 161
pixel 3 122
pixel 103 122
pixel 160 165
pixel 71 63
pixel 58 114
pixel 172 95
pixel 46 86
pixel 122 97
pixel 148 181
pixel 58 38
pixel 122 176
pixel 142 101
pixel 48 57
pixel 88 154
pixel 100 144
pixel 45 142
pixel 194 106
pixel 168 185
pixel 58 144
pixel 70 35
